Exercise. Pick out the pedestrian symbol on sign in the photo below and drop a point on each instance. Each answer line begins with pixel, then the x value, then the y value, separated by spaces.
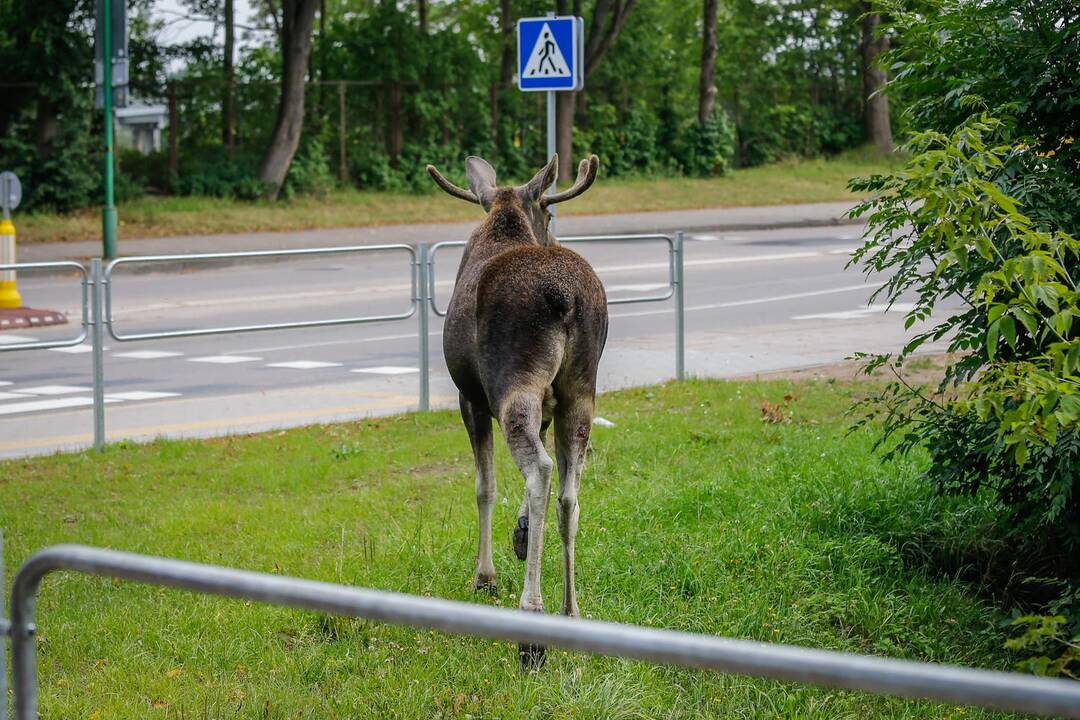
pixel 546 60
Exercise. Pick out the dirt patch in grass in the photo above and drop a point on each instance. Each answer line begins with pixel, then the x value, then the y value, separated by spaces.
pixel 918 370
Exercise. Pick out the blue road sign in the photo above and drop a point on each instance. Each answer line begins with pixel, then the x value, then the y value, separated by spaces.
pixel 550 53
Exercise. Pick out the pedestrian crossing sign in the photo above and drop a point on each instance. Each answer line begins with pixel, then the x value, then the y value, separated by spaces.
pixel 550 53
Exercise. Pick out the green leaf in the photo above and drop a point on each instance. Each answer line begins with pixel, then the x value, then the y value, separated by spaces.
pixel 1008 328
pixel 992 335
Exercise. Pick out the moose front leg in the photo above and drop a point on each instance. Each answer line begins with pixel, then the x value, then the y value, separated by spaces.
pixel 478 423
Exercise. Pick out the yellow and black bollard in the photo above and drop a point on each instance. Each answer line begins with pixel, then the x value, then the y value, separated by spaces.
pixel 9 294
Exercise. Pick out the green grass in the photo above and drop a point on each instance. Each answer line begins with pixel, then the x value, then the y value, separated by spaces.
pixel 695 515
pixel 783 183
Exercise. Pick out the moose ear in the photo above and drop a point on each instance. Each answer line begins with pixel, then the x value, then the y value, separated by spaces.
pixel 481 178
pixel 543 179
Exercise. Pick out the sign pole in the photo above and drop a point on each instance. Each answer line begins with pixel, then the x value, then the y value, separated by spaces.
pixel 551 145
pixel 551 150
pixel 108 213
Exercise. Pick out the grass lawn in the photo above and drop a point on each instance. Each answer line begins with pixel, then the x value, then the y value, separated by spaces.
pixel 783 183
pixel 696 515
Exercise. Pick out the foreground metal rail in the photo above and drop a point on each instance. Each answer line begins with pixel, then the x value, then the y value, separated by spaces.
pixel 1005 691
pixel 84 281
pixel 209 257
pixel 674 288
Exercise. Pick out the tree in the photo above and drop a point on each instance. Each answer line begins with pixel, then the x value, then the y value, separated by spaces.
pixel 228 115
pixel 707 77
pixel 876 108
pixel 297 21
pixel 607 22
pixel 506 62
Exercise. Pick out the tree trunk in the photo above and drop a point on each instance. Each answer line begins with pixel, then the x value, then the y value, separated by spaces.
pixel 608 19
pixel 876 107
pixel 506 65
pixel 421 9
pixel 564 133
pixel 228 102
pixel 707 77
pixel 174 128
pixel 296 27
pixel 46 124
pixel 396 138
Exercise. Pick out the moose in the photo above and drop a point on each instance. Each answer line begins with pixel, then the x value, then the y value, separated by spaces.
pixel 525 328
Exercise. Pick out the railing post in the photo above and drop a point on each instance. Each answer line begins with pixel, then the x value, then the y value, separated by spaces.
pixel 3 636
pixel 97 279
pixel 680 314
pixel 422 271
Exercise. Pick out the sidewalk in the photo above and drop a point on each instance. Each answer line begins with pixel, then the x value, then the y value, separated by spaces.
pixel 713 219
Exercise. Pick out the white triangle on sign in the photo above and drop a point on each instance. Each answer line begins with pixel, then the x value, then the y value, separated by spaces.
pixel 546 60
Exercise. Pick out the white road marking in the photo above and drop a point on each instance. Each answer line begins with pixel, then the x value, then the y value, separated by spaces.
pixel 714 261
pixel 4 382
pixel 224 359
pixel 16 339
pixel 304 364
pixel 75 349
pixel 387 370
pixel 55 390
pixel 140 395
pixel 12 396
pixel 55 404
pixel 331 343
pixel 876 308
pixel 704 237
pixel 842 251
pixel 635 288
pixel 148 354
pixel 751 301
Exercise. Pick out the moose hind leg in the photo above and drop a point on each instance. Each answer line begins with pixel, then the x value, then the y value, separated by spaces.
pixel 572 428
pixel 521 529
pixel 520 421
pixel 478 423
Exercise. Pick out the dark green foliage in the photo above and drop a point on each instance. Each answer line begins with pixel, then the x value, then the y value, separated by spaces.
pixel 986 213
pixel 787 77
pixel 221 178
pixel 309 173
pixel 707 147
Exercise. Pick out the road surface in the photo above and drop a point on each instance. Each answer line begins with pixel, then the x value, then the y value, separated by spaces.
pixel 755 302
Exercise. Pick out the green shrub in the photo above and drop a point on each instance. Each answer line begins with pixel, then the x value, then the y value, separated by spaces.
pixel 1005 420
pixel 707 147
pixel 220 178
pixel 309 173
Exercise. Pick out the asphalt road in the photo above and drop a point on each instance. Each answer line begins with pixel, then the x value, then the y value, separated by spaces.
pixel 755 301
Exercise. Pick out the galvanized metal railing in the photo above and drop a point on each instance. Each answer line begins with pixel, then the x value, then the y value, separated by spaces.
pixel 98 303
pixel 85 281
pixel 254 255
pixel 674 288
pixel 985 688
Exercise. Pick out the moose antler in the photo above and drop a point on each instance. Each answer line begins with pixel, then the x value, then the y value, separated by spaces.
pixel 586 174
pixel 450 187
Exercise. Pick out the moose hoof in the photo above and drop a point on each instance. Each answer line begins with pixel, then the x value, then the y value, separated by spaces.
pixel 484 583
pixel 532 656
pixel 521 538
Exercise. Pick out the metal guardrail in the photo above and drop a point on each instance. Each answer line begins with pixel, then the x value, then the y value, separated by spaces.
pixel 985 688
pixel 98 303
pixel 210 257
pixel 84 280
pixel 674 289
